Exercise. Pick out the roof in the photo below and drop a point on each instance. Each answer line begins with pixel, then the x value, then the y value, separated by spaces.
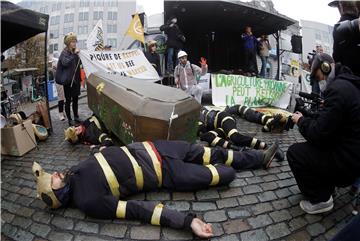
pixel 19 24
pixel 229 16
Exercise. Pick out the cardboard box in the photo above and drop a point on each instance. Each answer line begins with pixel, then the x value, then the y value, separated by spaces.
pixel 17 140
pixel 136 110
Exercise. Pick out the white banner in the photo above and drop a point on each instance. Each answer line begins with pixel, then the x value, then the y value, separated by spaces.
pixel 229 90
pixel 305 82
pixel 204 82
pixel 131 63
pixel 95 40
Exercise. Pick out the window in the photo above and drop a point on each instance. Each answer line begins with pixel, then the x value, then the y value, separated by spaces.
pixel 43 10
pixel 84 16
pixel 98 15
pixel 51 48
pixel 83 30
pixel 69 18
pixel 317 36
pixel 111 28
pixel 99 3
pixel 84 3
pixel 54 34
pixel 113 3
pixel 55 20
pixel 58 6
pixel 81 44
pixel 53 7
pixel 68 30
pixel 325 36
pixel 56 47
pixel 112 15
pixel 112 42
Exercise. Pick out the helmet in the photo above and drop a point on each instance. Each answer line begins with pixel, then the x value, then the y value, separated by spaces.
pixel 70 135
pixel 44 190
pixel 16 118
pixel 151 42
pixel 181 54
pixel 69 37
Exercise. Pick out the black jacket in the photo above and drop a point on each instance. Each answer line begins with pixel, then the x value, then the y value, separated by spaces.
pixel 175 38
pixel 95 133
pixel 65 70
pixel 154 59
pixel 336 128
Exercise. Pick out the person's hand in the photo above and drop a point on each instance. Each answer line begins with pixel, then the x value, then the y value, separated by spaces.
pixel 201 229
pixel 202 61
pixel 296 116
pixel 76 51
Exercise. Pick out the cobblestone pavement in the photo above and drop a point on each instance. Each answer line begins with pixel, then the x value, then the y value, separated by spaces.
pixel 258 205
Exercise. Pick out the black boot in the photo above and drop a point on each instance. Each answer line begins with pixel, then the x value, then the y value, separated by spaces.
pixel 269 154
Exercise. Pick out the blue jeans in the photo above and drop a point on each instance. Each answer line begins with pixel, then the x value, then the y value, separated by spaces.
pixel 170 56
pixel 264 60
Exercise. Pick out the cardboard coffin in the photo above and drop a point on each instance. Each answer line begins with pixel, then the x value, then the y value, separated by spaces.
pixel 135 110
pixel 17 140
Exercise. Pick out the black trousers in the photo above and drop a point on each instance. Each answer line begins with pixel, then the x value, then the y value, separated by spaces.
pixel 316 172
pixel 185 165
pixel 71 95
pixel 250 61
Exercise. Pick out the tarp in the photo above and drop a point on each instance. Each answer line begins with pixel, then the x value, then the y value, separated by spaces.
pixel 19 24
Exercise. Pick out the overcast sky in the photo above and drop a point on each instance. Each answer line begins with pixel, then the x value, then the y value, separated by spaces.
pixel 314 10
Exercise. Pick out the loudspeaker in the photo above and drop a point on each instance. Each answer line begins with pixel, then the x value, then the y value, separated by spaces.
pixel 296 44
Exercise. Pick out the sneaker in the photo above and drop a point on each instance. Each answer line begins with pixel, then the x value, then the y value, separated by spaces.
pixel 316 208
pixel 269 154
pixel 61 116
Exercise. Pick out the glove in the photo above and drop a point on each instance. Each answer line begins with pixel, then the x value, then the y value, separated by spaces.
pixel 203 61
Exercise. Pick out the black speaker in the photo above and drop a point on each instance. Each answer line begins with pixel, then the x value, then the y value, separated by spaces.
pixel 296 44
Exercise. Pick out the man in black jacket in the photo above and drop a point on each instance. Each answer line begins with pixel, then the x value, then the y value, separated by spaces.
pixel 175 42
pixel 68 75
pixel 98 185
pixel 330 156
pixel 92 131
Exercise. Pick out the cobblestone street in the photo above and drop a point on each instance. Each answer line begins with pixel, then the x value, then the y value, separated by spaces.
pixel 259 205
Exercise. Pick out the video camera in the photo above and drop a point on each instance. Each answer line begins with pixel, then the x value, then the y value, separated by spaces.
pixel 307 104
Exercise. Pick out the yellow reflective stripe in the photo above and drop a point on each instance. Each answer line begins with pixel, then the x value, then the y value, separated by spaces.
pixel 139 177
pixel 230 158
pixel 206 155
pixel 215 141
pixel 216 119
pixel 226 118
pixel 262 118
pixel 121 209
pixel 155 161
pixel 246 109
pixel 200 123
pixel 108 139
pixel 232 132
pixel 215 175
pixel 253 142
pixel 239 109
pixel 155 218
pixel 109 174
pixel 101 136
pixel 221 129
pixel 214 132
pixel 269 120
pixel 95 120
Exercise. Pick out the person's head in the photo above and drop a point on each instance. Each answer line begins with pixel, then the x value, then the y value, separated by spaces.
pixel 54 188
pixel 54 64
pixel 264 37
pixel 72 133
pixel 70 40
pixel 182 56
pixel 319 49
pixel 173 19
pixel 247 29
pixel 346 7
pixel 151 46
pixel 321 67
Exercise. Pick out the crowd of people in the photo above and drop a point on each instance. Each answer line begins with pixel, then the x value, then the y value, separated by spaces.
pixel 329 157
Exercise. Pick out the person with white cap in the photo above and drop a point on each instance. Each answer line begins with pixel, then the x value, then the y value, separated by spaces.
pixel 187 75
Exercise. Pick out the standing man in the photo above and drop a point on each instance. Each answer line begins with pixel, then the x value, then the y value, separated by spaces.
pixel 320 164
pixel 250 47
pixel 186 75
pixel 68 75
pixel 152 56
pixel 175 42
pixel 265 48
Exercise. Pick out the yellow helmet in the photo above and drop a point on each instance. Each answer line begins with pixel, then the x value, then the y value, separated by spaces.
pixel 44 190
pixel 16 118
pixel 70 135
pixel 69 37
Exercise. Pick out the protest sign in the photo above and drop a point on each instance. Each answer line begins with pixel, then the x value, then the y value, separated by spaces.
pixel 229 90
pixel 305 82
pixel 130 63
pixel 95 40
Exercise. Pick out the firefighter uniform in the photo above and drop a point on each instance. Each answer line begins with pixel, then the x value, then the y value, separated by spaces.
pixel 94 133
pixel 100 184
pixel 223 121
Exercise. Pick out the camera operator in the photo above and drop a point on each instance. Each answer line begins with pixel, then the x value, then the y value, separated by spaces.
pixel 330 156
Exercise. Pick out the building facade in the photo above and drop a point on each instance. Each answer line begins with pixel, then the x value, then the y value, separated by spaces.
pixel 314 34
pixel 81 16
